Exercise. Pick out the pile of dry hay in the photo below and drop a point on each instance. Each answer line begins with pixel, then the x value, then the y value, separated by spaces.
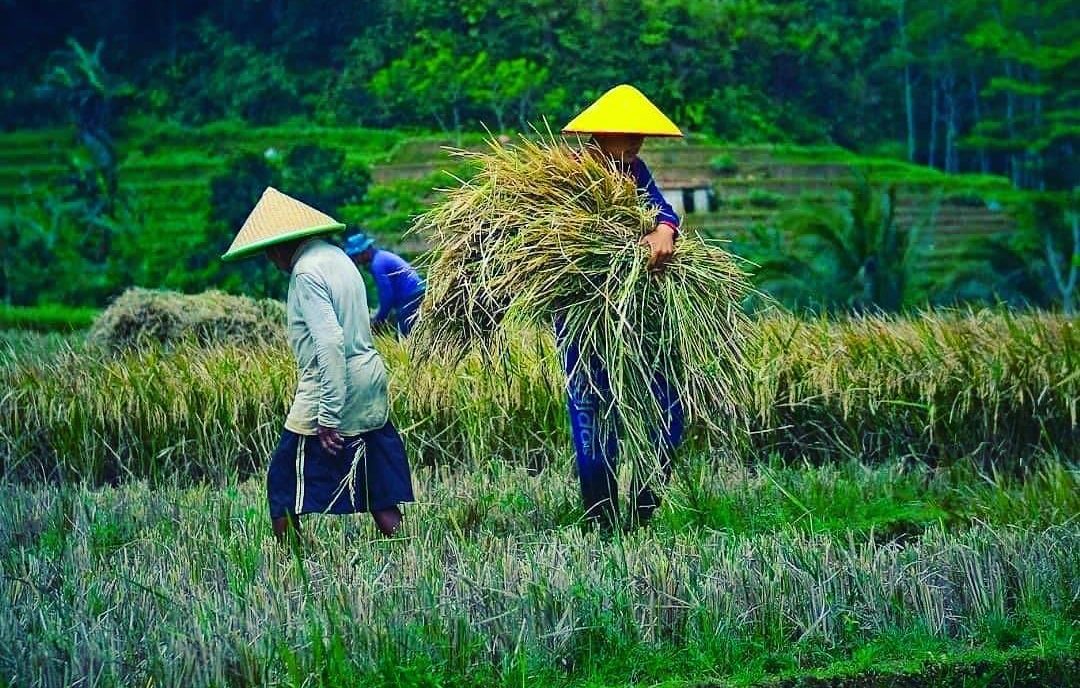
pixel 543 233
pixel 141 317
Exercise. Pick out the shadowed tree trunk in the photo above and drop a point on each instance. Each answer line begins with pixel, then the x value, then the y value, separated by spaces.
pixel 909 101
pixel 1066 285
pixel 1010 108
pixel 1039 177
pixel 976 110
pixel 949 95
pixel 932 152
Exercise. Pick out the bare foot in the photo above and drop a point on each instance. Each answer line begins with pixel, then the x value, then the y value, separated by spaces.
pixel 387 520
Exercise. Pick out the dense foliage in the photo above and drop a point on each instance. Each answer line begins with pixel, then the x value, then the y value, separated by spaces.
pixel 963 85
pixel 175 115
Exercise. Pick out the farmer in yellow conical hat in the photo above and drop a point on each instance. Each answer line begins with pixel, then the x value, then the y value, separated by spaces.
pixel 617 124
pixel 339 452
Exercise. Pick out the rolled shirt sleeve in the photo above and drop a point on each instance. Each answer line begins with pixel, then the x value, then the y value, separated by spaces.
pixel 329 340
pixel 645 182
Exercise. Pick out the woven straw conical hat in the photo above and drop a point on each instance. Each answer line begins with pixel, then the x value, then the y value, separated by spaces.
pixel 622 110
pixel 278 218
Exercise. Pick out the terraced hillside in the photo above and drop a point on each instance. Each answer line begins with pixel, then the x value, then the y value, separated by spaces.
pixel 750 185
pixel 169 169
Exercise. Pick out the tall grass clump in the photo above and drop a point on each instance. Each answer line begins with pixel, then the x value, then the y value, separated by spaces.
pixel 215 412
pixel 933 385
pixel 543 234
pixel 933 388
pixel 190 412
pixel 19 347
pixel 142 316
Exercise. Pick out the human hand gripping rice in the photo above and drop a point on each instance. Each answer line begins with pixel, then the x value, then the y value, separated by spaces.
pixel 339 452
pixel 648 319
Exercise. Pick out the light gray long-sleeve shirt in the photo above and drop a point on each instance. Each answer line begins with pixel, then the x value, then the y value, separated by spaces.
pixel 342 377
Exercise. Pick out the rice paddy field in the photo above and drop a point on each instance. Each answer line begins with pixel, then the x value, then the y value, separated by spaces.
pixel 902 512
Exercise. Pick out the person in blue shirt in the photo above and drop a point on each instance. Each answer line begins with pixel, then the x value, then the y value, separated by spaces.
pixel 622 151
pixel 613 129
pixel 399 285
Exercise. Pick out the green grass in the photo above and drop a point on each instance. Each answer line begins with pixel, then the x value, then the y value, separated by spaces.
pixel 19 347
pixel 740 208
pixel 880 503
pixel 885 168
pixel 225 138
pixel 156 153
pixel 167 168
pixel 493 582
pixel 47 318
pixel 824 564
pixel 930 668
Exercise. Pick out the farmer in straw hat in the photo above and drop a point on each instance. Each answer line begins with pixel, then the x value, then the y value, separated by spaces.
pixel 617 124
pixel 339 452
pixel 399 285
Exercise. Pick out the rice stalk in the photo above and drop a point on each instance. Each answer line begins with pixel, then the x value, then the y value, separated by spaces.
pixel 544 235
pixel 935 387
pixel 142 317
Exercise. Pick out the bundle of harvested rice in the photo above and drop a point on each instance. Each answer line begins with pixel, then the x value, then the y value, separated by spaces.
pixel 544 234
pixel 139 317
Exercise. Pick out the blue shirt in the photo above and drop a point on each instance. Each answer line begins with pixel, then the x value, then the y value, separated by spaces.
pixel 645 182
pixel 397 282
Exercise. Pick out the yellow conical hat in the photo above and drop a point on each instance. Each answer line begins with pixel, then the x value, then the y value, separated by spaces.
pixel 622 110
pixel 278 218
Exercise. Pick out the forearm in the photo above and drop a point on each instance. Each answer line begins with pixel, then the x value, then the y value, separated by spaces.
pixel 329 343
pixel 386 297
pixel 330 355
pixel 665 213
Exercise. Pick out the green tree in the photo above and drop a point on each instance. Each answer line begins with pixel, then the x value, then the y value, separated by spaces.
pixel 77 81
pixel 967 84
pixel 318 176
pixel 323 178
pixel 52 250
pixel 28 264
pixel 222 78
pixel 1063 259
pixel 1039 265
pixel 434 79
pixel 82 224
pixel 1037 61
pixel 850 255
pixel 511 86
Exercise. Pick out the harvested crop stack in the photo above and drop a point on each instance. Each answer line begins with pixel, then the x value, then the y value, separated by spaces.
pixel 544 234
pixel 141 316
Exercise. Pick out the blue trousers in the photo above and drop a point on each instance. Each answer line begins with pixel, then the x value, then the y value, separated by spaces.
pixel 596 443
pixel 304 478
